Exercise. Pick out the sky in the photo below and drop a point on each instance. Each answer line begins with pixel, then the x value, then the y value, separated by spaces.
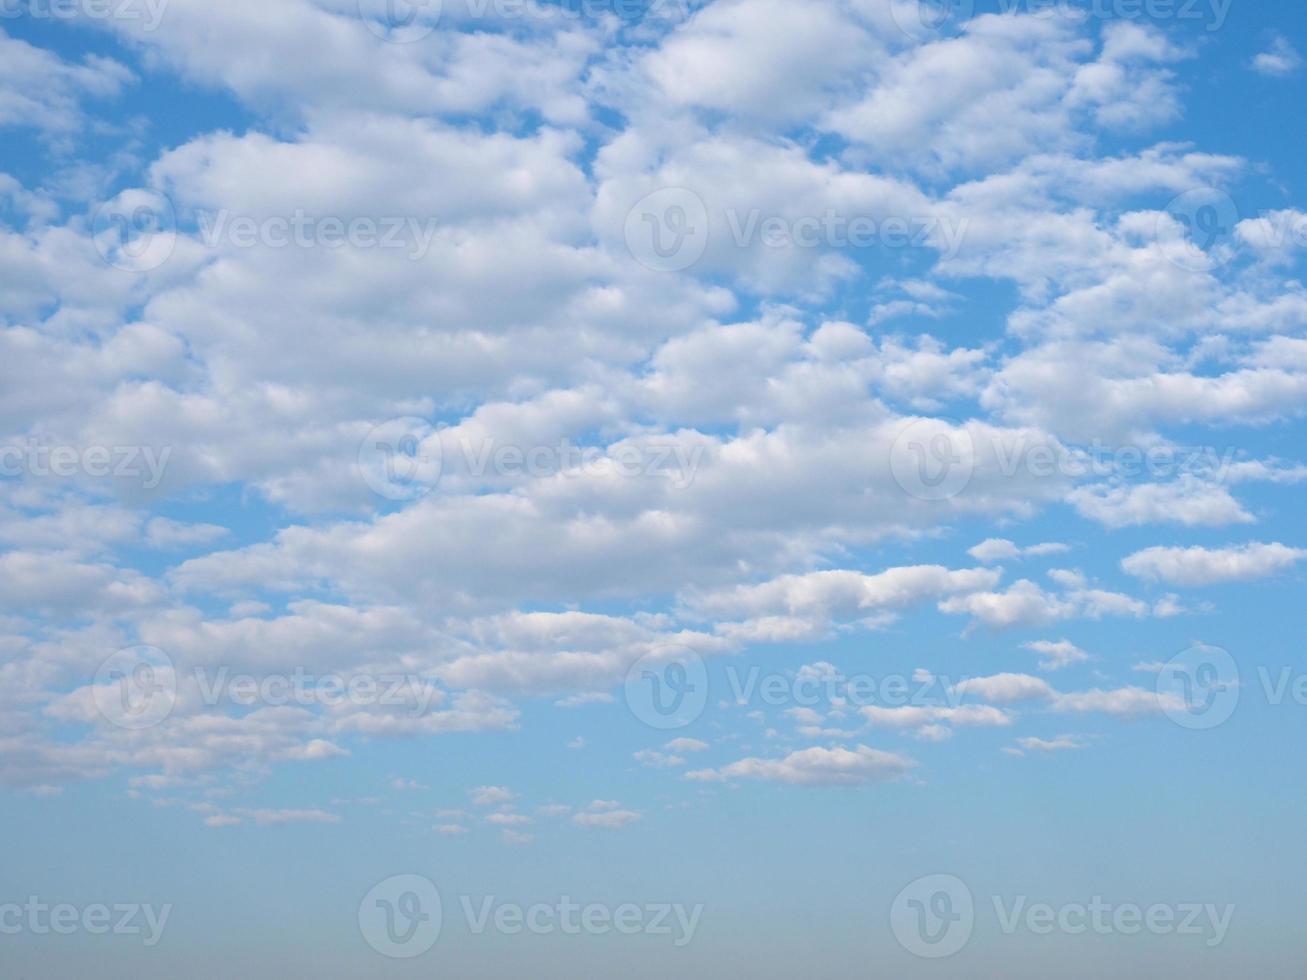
pixel 744 488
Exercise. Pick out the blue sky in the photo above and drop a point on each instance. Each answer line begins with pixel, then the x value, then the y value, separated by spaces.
pixel 817 483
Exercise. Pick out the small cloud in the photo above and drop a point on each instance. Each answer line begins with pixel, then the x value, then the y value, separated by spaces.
pixel 1280 60
pixel 1062 743
pixel 584 698
pixel 452 830
pixel 606 815
pixel 490 795
pixel 266 818
pixel 1056 654
pixel 686 745
pixel 1001 549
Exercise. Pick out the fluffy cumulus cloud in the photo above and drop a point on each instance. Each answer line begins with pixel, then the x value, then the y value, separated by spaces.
pixel 1211 566
pixel 411 389
pixel 815 767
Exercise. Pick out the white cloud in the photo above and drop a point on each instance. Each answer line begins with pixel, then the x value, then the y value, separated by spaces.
pixel 1198 566
pixel 491 795
pixel 1057 654
pixel 1280 60
pixel 815 767
pixel 1000 549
